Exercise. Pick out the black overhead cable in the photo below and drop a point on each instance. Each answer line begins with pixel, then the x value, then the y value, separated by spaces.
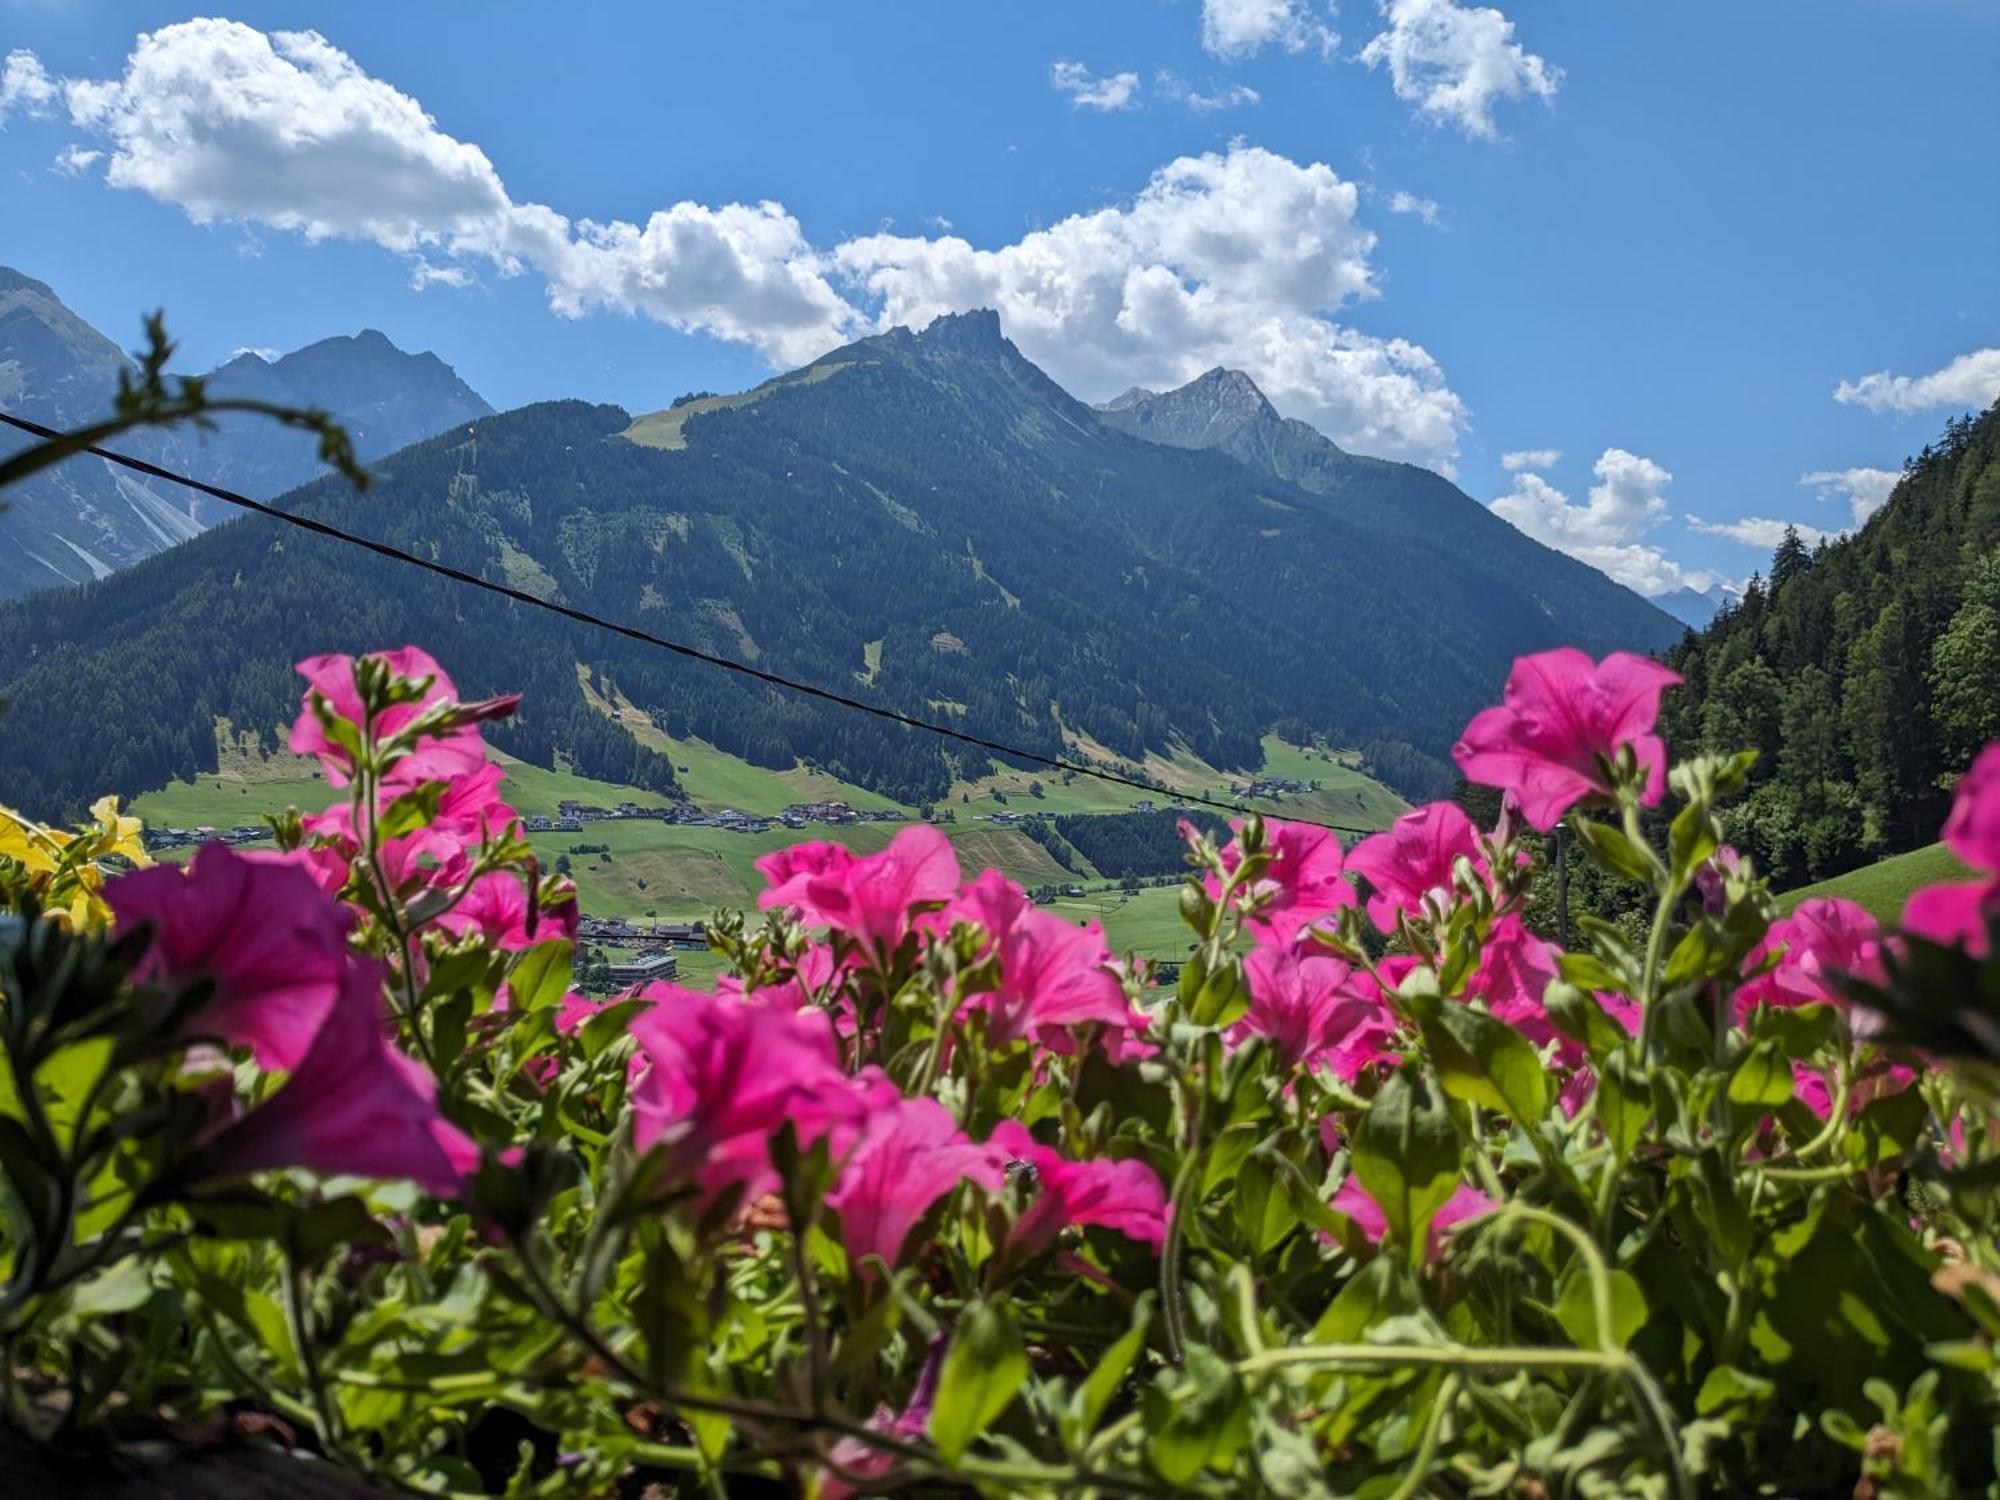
pixel 692 653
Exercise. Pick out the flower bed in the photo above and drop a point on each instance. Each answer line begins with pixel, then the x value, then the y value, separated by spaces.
pixel 1386 1195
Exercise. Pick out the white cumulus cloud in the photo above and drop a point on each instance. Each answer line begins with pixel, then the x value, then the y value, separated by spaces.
pixel 1455 62
pixel 25 86
pixel 1426 209
pixel 74 160
pixel 1865 490
pixel 1628 501
pixel 286 130
pixel 1530 458
pixel 424 275
pixel 1087 91
pixel 1241 257
pixel 1972 380
pixel 1204 101
pixel 1237 29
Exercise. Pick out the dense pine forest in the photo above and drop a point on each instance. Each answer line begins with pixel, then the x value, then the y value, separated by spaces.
pixel 1865 671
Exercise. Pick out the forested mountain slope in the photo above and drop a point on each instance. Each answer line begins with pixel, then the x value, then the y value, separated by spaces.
pixel 1477 550
pixel 1867 672
pixel 926 515
pixel 89 518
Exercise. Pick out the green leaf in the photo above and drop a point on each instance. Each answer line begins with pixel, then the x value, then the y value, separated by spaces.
pixel 1226 1155
pixel 1624 1100
pixel 608 1027
pixel 37 1189
pixel 1692 839
pixel 1088 1402
pixel 220 1280
pixel 1886 1129
pixel 119 1289
pixel 1726 1388
pixel 66 1080
pixel 1264 1214
pixel 1720 1208
pixel 1702 953
pixel 1381 1290
pixel 1576 1309
pixel 1484 1061
pixel 1204 1431
pixel 1763 1079
pixel 1609 848
pixel 1800 1030
pixel 1222 997
pixel 411 811
pixel 1587 971
pixel 1406 1154
pixel 540 977
pixel 1578 1015
pixel 984 1369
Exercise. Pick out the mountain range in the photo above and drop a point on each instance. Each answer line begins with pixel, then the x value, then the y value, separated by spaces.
pixel 923 518
pixel 89 518
pixel 1224 410
pixel 1697 607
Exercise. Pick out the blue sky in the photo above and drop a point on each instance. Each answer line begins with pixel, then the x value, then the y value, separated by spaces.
pixel 1653 240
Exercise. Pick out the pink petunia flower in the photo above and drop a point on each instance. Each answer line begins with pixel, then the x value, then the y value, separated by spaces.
pixel 1972 832
pixel 1410 865
pixel 865 1460
pixel 787 871
pixel 1353 1200
pixel 259 928
pixel 470 811
pixel 872 898
pixel 1961 914
pixel 442 758
pixel 1958 915
pixel 1560 716
pixel 1052 975
pixel 497 908
pixel 1825 938
pixel 1879 1078
pixel 1307 1004
pixel 716 1078
pixel 1121 1195
pixel 354 1106
pixel 1515 970
pixel 909 1156
pixel 1303 882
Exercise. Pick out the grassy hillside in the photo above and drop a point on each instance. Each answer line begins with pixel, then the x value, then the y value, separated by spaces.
pixel 1883 887
pixel 716 779
pixel 1346 795
pixel 669 871
pixel 1146 922
pixel 239 795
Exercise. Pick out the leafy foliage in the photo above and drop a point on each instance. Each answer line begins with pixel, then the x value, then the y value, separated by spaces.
pixel 932 1192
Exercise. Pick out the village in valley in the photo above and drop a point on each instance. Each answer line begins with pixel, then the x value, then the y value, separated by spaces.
pixel 649 868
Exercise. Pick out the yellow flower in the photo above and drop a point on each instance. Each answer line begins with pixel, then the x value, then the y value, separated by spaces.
pixel 64 870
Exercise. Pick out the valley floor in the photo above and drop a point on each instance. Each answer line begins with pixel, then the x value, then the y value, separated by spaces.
pixel 648 869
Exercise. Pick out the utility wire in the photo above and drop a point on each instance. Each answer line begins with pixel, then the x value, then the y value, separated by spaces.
pixel 678 648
